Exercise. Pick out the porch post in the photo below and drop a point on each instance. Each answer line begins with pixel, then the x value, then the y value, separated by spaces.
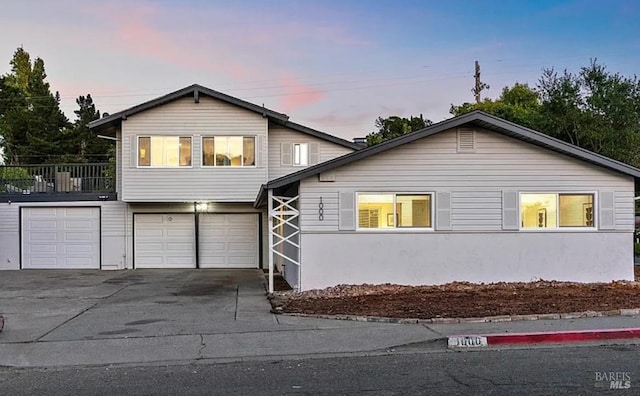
pixel 270 225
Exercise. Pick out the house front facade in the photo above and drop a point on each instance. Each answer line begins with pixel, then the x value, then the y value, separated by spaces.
pixel 474 198
pixel 205 180
pixel 188 168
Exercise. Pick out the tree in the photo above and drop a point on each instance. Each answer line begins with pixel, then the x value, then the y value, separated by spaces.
pixel 32 123
pixel 394 126
pixel 14 120
pixel 593 109
pixel 520 104
pixel 82 144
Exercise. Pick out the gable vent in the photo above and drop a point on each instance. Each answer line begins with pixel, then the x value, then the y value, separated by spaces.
pixel 466 141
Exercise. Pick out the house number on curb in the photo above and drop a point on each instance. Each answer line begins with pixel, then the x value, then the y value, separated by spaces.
pixel 467 342
pixel 321 210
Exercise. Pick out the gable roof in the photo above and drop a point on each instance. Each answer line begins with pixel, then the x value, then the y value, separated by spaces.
pixel 321 135
pixel 475 118
pixel 195 91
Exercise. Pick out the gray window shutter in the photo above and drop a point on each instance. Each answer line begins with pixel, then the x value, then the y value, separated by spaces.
pixel 347 219
pixel 133 148
pixel 260 151
pixel 510 219
pixel 443 211
pixel 286 154
pixel 314 153
pixel 606 215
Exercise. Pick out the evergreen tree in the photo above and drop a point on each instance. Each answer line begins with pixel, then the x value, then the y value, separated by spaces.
pixel 81 140
pixel 32 124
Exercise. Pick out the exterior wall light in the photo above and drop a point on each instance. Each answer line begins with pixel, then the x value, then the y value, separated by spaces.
pixel 201 207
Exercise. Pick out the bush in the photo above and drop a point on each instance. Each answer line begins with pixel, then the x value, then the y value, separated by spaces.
pixel 636 249
pixel 16 177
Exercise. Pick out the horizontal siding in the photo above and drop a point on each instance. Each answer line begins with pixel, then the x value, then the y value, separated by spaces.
pixel 279 135
pixel 9 236
pixel 118 161
pixel 625 210
pixel 309 211
pixel 475 180
pixel 113 218
pixel 183 117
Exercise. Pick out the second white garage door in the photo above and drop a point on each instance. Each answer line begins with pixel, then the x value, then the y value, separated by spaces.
pixel 228 240
pixel 164 241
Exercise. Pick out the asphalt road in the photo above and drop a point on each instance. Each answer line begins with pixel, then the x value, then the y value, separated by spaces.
pixel 566 370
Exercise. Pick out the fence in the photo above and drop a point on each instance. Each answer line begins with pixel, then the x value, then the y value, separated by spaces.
pixel 70 178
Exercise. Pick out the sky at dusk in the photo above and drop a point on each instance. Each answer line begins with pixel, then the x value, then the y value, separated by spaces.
pixel 331 65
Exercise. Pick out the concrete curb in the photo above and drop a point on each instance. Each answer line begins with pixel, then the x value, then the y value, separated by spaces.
pixel 474 341
pixel 487 319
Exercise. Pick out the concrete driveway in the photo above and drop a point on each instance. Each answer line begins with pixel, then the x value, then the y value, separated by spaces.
pixel 59 318
pixel 84 305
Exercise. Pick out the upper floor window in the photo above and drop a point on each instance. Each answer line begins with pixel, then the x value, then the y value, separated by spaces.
pixel 300 154
pixel 231 151
pixel 551 210
pixel 386 210
pixel 164 151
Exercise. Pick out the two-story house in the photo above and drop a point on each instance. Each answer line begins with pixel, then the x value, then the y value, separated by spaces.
pixel 188 168
pixel 205 180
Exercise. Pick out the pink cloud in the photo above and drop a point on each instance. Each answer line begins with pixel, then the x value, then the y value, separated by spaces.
pixel 137 31
pixel 298 95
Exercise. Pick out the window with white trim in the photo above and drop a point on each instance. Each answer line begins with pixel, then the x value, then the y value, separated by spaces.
pixel 164 151
pixel 229 151
pixel 389 210
pixel 557 210
pixel 300 154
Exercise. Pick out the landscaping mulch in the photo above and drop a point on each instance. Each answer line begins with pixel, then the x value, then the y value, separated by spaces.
pixel 461 299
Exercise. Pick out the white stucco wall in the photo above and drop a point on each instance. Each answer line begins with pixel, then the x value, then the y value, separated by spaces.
pixel 437 258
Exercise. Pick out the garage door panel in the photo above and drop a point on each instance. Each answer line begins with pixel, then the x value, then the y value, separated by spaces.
pixel 179 262
pixel 237 232
pixel 75 249
pixel 77 211
pixel 164 241
pixel 44 262
pixel 149 219
pixel 229 240
pixel 241 262
pixel 77 225
pixel 43 225
pixel 241 246
pixel 179 234
pixel 36 236
pixel 41 249
pixel 180 247
pixel 62 238
pixel 149 260
pixel 77 237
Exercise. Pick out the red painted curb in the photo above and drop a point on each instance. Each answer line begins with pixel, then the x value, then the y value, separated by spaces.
pixel 562 336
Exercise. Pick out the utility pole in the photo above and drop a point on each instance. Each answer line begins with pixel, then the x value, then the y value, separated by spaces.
pixel 479 85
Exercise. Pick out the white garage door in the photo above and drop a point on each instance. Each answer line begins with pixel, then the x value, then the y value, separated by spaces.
pixel 228 240
pixel 164 241
pixel 61 238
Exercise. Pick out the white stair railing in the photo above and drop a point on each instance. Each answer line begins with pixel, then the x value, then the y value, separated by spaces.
pixel 283 232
